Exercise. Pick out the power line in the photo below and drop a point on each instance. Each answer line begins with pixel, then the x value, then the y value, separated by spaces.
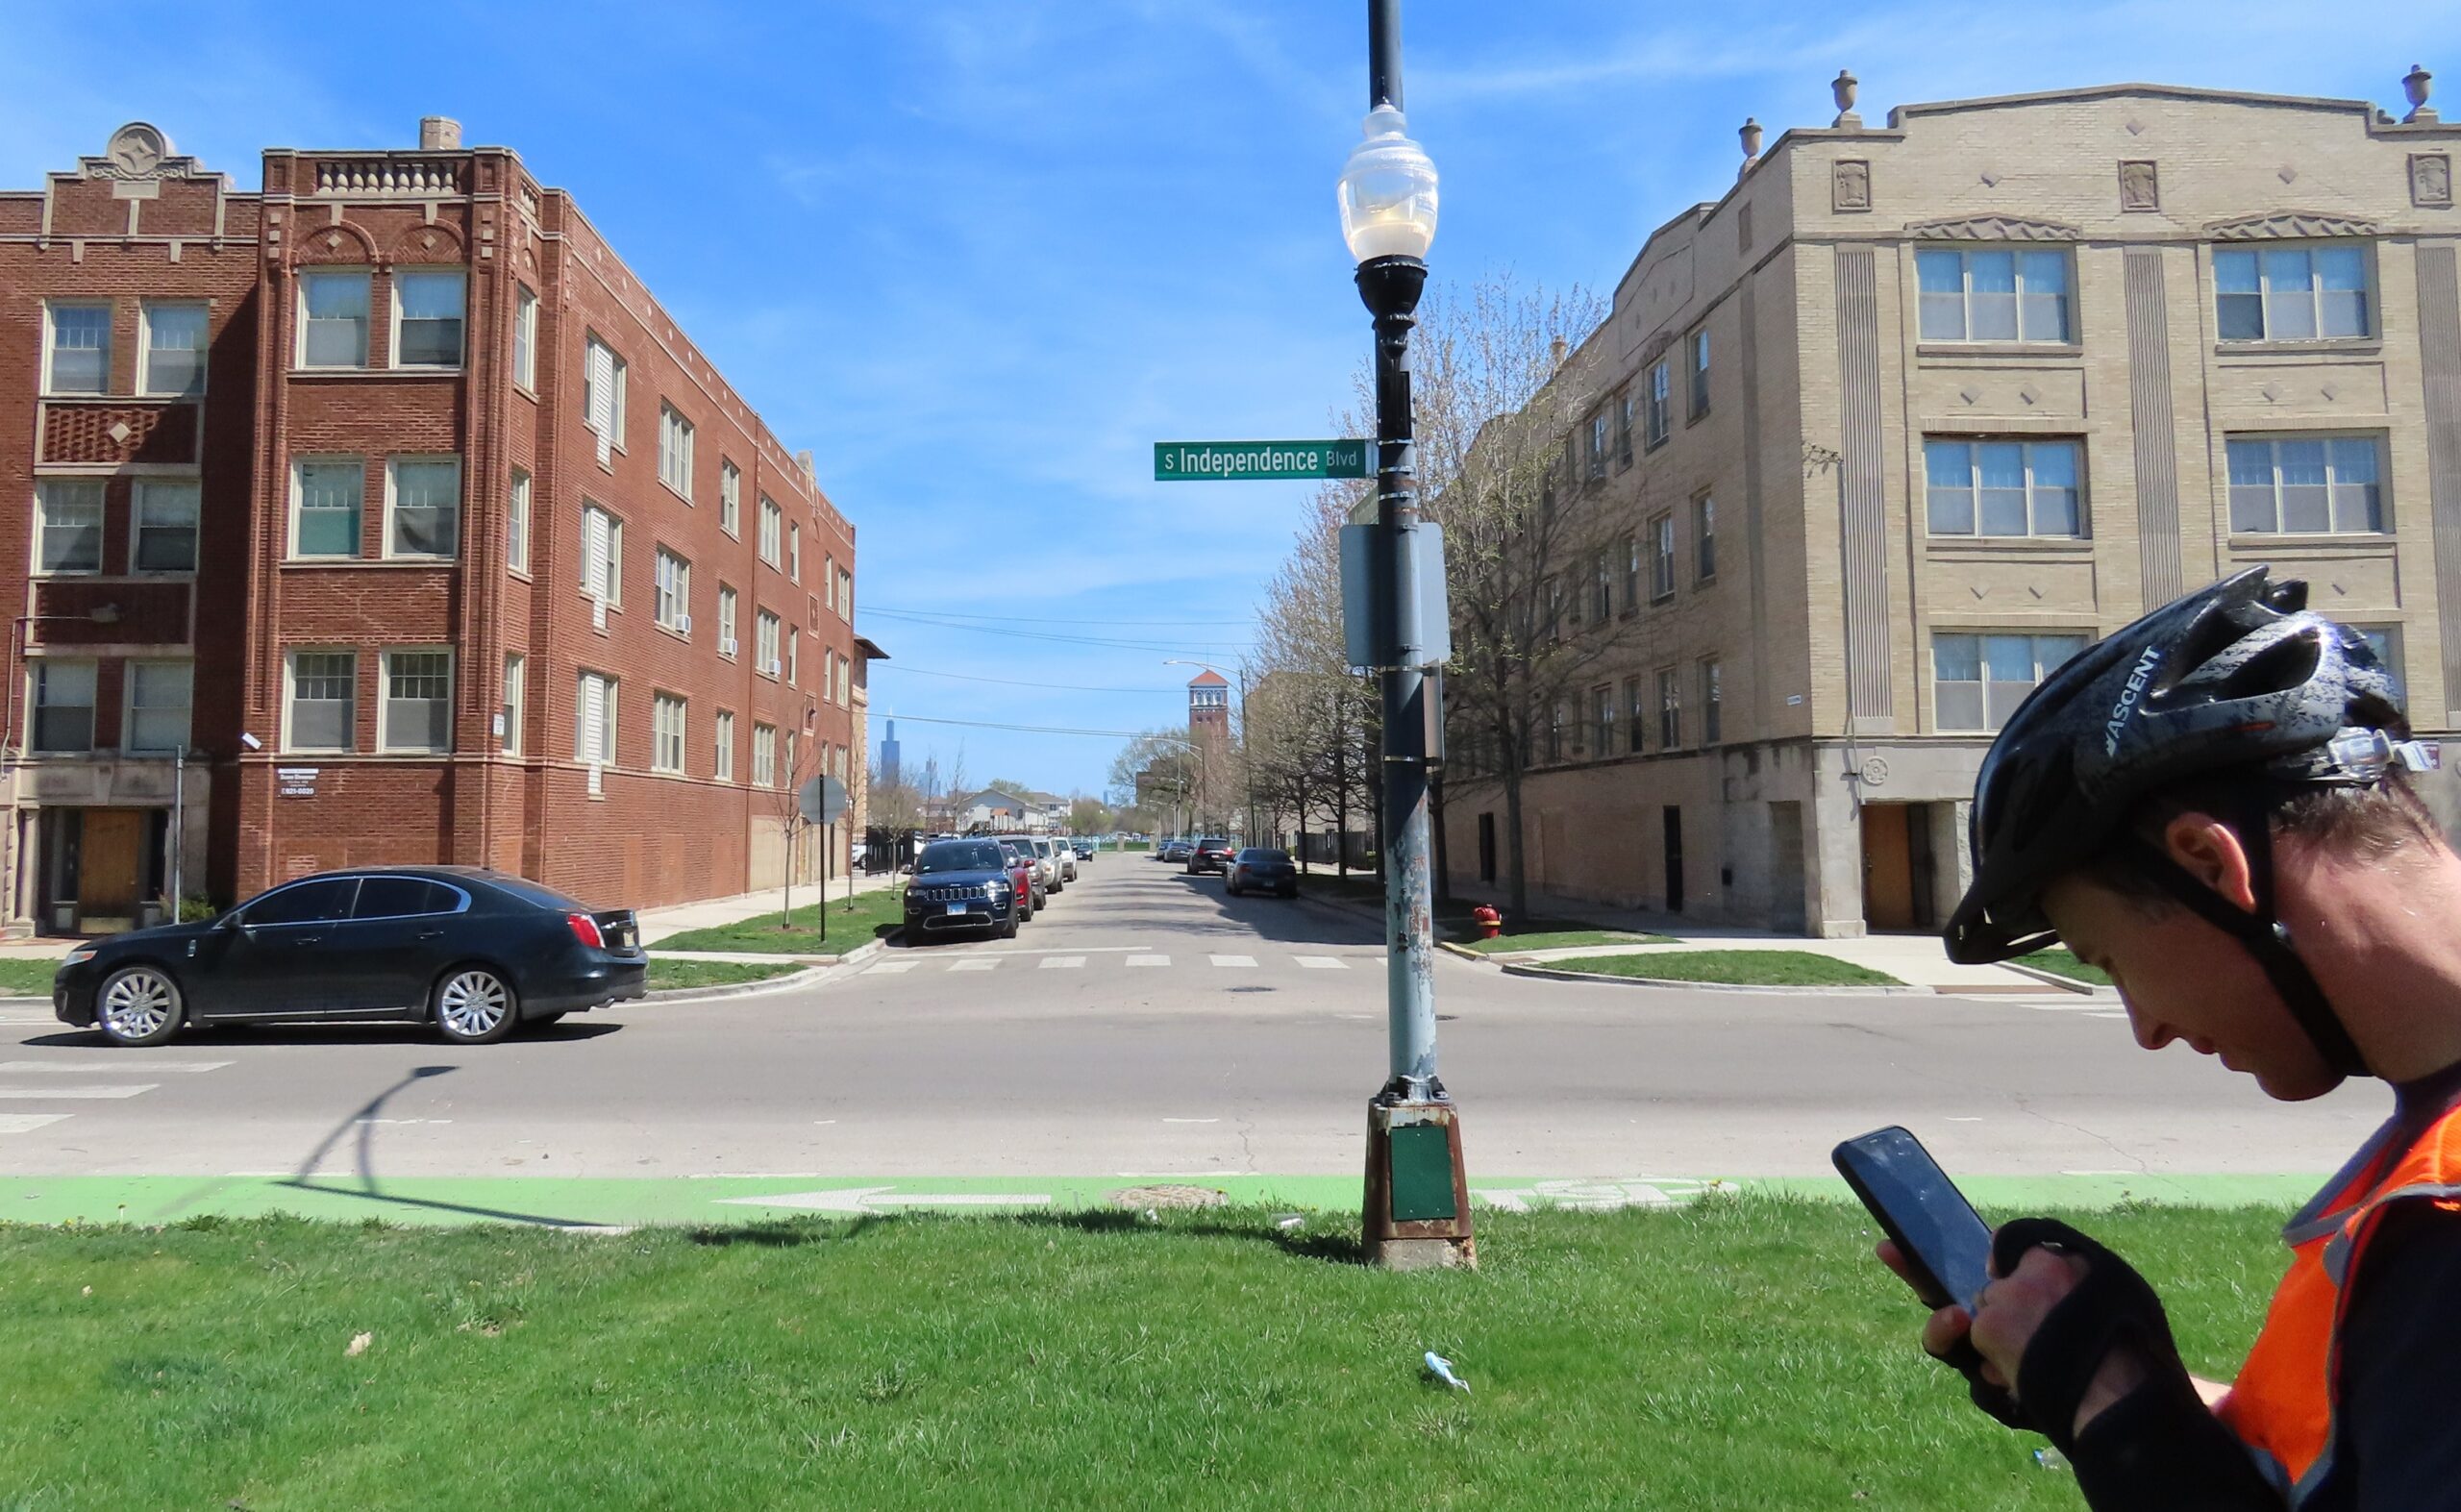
pixel 1072 687
pixel 1075 640
pixel 1032 730
pixel 1019 619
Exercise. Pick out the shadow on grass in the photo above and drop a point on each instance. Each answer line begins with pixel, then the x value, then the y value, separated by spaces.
pixel 1337 1247
pixel 786 1233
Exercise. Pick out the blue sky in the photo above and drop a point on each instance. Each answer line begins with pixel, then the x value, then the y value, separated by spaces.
pixel 978 255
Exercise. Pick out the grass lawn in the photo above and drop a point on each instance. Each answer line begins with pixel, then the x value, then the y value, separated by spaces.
pixel 2061 962
pixel 27 979
pixel 1739 968
pixel 1736 1354
pixel 1549 939
pixel 876 913
pixel 666 974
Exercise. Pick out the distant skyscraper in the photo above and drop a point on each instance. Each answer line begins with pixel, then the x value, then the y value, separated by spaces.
pixel 888 756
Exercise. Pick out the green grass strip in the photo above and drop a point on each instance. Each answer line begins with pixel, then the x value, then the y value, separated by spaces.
pixel 671 973
pixel 20 977
pixel 875 913
pixel 1554 939
pixel 1733 968
pixel 2060 962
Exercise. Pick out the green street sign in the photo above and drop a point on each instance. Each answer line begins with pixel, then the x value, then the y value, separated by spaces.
pixel 1218 461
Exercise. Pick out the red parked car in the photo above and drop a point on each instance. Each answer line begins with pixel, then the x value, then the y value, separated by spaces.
pixel 1021 871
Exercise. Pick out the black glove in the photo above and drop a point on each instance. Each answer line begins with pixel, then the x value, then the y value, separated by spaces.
pixel 1967 1361
pixel 2111 1307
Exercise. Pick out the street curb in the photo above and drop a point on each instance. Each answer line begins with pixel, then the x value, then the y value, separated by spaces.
pixel 2055 979
pixel 863 953
pixel 1550 974
pixel 25 1003
pixel 1467 954
pixel 807 976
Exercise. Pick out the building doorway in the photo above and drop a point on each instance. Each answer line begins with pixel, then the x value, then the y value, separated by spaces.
pixel 1674 825
pixel 103 868
pixel 1899 869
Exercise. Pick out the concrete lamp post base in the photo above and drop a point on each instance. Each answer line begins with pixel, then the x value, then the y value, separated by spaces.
pixel 1418 1200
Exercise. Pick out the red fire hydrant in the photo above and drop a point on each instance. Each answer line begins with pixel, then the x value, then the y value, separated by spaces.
pixel 1490 923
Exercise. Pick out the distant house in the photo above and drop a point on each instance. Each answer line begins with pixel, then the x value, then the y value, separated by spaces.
pixel 995 809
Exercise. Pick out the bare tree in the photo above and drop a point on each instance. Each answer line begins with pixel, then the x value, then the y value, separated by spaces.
pixel 1315 734
pixel 798 761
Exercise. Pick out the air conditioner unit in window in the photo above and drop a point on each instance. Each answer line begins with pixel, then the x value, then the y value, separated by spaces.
pixel 776 666
pixel 683 623
pixel 726 645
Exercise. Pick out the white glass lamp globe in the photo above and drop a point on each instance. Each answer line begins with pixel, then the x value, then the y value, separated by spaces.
pixel 1387 191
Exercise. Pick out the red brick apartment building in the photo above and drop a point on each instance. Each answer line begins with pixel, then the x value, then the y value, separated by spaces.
pixel 384 515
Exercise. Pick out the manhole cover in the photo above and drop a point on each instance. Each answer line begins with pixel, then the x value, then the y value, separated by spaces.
pixel 1168 1196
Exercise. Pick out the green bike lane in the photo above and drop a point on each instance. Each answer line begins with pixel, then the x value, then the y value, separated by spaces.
pixel 624 1203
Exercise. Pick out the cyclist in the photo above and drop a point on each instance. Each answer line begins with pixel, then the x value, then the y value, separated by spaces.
pixel 2216 807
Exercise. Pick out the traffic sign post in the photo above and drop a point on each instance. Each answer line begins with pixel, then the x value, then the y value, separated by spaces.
pixel 822 800
pixel 1226 462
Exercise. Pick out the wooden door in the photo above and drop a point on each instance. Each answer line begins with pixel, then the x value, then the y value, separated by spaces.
pixel 1888 868
pixel 108 878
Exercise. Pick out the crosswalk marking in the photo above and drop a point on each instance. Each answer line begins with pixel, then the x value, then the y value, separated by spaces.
pixel 1063 962
pixel 117 1066
pixel 1232 961
pixel 1149 960
pixel 27 1122
pixel 1322 962
pixel 83 1094
pixel 975 964
pixel 890 968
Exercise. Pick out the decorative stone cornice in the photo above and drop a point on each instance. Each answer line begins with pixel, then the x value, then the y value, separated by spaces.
pixel 2297 225
pixel 140 153
pixel 1992 228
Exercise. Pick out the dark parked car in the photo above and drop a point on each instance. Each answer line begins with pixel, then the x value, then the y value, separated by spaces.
pixel 1175 850
pixel 473 951
pixel 961 886
pixel 1085 850
pixel 1212 853
pixel 1258 869
pixel 1022 872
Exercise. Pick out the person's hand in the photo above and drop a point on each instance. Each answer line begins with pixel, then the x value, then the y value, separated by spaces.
pixel 2008 1312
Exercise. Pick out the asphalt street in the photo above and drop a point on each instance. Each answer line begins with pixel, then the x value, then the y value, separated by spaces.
pixel 1146 1027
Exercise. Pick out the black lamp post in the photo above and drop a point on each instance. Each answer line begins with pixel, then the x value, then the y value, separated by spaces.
pixel 1417 1207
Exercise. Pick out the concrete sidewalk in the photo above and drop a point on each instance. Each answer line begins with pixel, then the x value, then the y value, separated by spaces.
pixel 710 913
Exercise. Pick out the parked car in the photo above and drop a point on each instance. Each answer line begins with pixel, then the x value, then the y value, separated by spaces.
pixel 1083 847
pixel 1064 857
pixel 1212 853
pixel 961 886
pixel 1029 880
pixel 475 953
pixel 1045 875
pixel 1050 859
pixel 1176 850
pixel 1262 869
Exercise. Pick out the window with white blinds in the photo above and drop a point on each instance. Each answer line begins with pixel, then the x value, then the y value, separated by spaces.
pixel 594 720
pixel 602 397
pixel 602 554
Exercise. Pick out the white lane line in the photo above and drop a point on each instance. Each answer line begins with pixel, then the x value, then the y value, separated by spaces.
pixel 117 1066
pixel 1322 962
pixel 1149 960
pixel 1232 961
pixel 890 968
pixel 1191 1121
pixel 28 1123
pixel 1072 950
pixel 979 963
pixel 1063 962
pixel 84 1093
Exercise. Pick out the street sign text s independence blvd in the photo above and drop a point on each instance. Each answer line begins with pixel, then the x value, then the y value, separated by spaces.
pixel 1217 461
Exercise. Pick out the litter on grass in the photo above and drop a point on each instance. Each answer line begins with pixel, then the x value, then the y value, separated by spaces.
pixel 1441 1368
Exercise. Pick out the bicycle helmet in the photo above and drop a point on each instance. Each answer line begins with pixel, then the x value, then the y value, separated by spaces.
pixel 2235 681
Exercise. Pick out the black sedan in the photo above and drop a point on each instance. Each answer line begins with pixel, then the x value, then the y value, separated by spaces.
pixel 961 887
pixel 1262 869
pixel 475 953
pixel 1211 853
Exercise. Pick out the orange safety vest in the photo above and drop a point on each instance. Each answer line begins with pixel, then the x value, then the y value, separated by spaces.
pixel 2282 1404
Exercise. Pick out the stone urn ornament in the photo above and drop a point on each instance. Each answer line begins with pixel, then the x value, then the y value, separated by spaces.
pixel 1843 89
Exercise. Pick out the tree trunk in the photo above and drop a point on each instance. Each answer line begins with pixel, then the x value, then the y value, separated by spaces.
pixel 1341 811
pixel 1517 895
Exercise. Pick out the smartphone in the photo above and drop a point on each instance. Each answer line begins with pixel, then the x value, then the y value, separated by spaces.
pixel 1945 1243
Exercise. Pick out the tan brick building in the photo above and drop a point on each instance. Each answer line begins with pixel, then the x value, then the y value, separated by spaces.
pixel 1915 412
pixel 384 515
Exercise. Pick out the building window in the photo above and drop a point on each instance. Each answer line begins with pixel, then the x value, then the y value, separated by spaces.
pixel 787 767
pixel 1670 710
pixel 2007 489
pixel 674 592
pixel 1556 731
pixel 1662 558
pixel 2289 293
pixel 764 755
pixel 666 733
pixel 1601 587
pixel 594 720
pixel 418 702
pixel 794 655
pixel 1602 715
pixel 795 552
pixel 772 521
pixel 1991 296
pixel 68 536
pixel 1624 428
pixel 326 493
pixel 2385 640
pixel 1631 573
pixel 726 622
pixel 1635 715
pixel 423 505
pixel 602 554
pixel 828 675
pixel 1660 402
pixel 63 702
pixel 603 378
pixel 764 646
pixel 166 527
pixel 158 708
pixel 1711 728
pixel 674 451
pixel 175 342
pixel 1551 601
pixel 1978 680
pixel 1598 424
pixel 1699 346
pixel 516 542
pixel 1704 539
pixel 845 593
pixel 78 355
pixel 726 745
pixel 525 336
pixel 333 323
pixel 324 702
pixel 2305 485
pixel 516 673
pixel 427 329
pixel 845 672
pixel 730 499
